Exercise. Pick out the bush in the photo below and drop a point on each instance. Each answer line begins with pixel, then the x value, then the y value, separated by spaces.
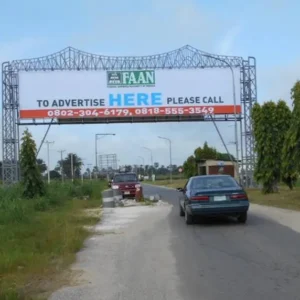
pixel 38 233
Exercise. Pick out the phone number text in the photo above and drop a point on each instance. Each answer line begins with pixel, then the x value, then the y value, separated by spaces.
pixel 127 112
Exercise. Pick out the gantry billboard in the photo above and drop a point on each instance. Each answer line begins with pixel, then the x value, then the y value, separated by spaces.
pixel 127 93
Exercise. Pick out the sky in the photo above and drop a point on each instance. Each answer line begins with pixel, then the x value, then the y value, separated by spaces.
pixel 265 29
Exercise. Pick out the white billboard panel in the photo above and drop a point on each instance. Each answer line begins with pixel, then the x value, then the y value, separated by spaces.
pixel 82 94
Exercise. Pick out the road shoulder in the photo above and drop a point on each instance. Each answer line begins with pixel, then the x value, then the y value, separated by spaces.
pixel 127 239
pixel 285 217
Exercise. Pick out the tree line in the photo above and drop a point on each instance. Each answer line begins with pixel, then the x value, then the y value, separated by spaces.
pixel 157 169
pixel 276 130
pixel 63 167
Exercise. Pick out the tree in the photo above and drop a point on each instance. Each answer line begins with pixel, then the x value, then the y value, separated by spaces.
pixel 32 180
pixel 205 152
pixel 141 170
pixel 66 165
pixel 128 168
pixel 291 145
pixel 151 170
pixel 42 165
pixel 156 165
pixel 190 166
pixel 54 174
pixel 270 124
pixel 225 157
pixel 146 168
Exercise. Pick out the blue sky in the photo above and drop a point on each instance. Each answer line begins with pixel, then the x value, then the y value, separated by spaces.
pixel 265 29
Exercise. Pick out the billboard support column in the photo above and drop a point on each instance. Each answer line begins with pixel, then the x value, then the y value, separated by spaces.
pixel 43 140
pixel 235 165
pixel 235 111
pixel 10 130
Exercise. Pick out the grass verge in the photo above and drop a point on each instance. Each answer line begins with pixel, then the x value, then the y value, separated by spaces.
pixel 40 237
pixel 284 199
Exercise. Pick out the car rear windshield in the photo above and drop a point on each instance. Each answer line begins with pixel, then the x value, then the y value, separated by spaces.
pixel 125 178
pixel 213 182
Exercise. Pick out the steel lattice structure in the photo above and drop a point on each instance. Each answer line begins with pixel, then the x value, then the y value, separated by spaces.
pixel 73 59
pixel 107 162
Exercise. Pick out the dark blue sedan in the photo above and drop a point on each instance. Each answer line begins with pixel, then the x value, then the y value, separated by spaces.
pixel 213 195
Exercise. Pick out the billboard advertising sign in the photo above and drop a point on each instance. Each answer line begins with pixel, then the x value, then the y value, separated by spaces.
pixel 127 93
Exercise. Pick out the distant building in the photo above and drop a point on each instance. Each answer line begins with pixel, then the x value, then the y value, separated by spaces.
pixel 214 167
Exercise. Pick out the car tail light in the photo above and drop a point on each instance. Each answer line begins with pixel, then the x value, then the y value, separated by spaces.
pixel 238 196
pixel 199 198
pixel 115 187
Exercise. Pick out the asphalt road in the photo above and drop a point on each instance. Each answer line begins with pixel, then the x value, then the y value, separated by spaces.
pixel 225 260
pixel 155 256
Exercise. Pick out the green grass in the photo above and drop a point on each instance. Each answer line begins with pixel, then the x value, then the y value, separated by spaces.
pixel 40 237
pixel 167 177
pixel 284 199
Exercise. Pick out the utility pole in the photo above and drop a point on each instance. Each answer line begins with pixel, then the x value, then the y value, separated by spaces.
pixel 170 154
pixel 61 164
pixel 97 137
pixel 151 157
pixel 89 166
pixel 72 167
pixel 48 162
pixel 143 165
pixel 81 169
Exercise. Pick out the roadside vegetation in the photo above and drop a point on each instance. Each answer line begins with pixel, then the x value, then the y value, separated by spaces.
pixel 42 226
pixel 276 129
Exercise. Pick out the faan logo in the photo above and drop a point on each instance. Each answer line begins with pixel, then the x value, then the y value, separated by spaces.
pixel 142 78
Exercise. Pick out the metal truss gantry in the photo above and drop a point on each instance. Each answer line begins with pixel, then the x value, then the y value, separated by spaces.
pixel 69 58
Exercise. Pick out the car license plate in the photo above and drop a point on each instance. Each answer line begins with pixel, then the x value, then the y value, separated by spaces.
pixel 127 193
pixel 219 198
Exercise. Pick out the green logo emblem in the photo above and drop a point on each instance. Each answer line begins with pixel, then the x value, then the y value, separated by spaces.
pixel 144 78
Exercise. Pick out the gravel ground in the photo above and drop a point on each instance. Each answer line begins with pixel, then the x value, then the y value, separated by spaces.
pixel 147 252
pixel 118 265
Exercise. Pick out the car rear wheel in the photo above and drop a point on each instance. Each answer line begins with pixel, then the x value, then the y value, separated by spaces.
pixel 242 218
pixel 188 218
pixel 181 211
